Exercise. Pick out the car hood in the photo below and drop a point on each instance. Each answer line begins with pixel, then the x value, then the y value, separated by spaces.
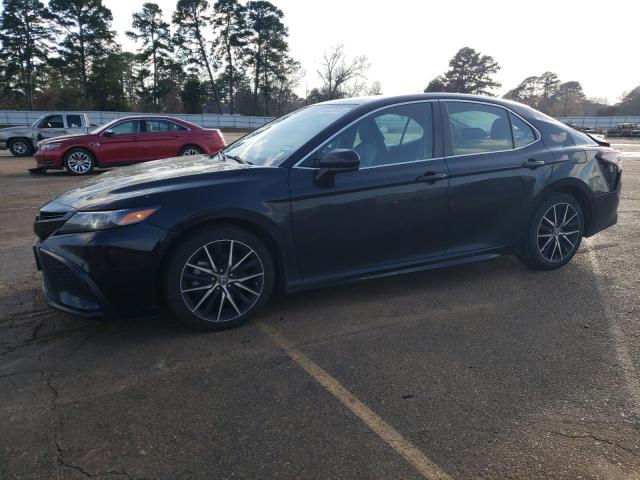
pixel 13 131
pixel 146 179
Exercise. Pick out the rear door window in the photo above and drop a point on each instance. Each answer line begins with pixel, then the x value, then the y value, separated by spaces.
pixel 74 121
pixel 158 126
pixel 478 128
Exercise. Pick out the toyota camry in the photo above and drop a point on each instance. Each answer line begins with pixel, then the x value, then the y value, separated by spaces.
pixel 331 193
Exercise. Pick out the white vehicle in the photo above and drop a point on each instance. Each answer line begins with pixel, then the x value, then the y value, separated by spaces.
pixel 22 141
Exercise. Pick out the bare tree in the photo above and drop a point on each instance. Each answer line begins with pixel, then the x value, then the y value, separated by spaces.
pixel 336 70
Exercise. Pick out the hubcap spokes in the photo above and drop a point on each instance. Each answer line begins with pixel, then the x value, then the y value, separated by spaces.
pixel 558 232
pixel 222 280
pixel 79 162
pixel 20 147
pixel 190 151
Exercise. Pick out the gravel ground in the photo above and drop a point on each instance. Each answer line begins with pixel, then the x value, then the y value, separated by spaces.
pixel 487 370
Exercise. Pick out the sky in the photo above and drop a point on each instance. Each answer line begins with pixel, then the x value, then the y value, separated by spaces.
pixel 408 42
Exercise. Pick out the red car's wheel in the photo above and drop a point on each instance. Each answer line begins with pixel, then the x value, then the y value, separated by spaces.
pixel 190 150
pixel 79 161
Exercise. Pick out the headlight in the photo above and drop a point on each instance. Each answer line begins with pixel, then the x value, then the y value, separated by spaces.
pixel 49 146
pixel 91 221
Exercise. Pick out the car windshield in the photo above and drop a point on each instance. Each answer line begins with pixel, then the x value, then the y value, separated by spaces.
pixel 273 143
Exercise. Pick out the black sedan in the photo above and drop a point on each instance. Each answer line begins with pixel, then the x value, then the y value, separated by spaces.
pixel 333 192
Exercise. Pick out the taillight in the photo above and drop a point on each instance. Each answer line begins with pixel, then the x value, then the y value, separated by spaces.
pixel 611 163
pixel 221 138
pixel 610 156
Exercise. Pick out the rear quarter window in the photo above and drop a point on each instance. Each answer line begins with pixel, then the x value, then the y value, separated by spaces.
pixel 523 134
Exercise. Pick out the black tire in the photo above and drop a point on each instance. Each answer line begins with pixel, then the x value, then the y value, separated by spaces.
pixel 190 150
pixel 199 299
pixel 79 161
pixel 554 233
pixel 21 147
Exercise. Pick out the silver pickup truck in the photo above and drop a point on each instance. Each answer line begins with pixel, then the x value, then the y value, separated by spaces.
pixel 22 141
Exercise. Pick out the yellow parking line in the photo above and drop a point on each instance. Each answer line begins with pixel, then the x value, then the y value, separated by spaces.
pixel 386 432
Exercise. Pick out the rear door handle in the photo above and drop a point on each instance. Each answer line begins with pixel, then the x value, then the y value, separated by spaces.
pixel 431 177
pixel 532 163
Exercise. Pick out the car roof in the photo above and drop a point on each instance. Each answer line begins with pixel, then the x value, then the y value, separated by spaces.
pixel 159 117
pixel 149 117
pixel 382 100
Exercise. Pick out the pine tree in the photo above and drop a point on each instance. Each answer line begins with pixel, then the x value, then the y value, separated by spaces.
pixel 191 18
pixel 25 35
pixel 87 40
pixel 153 33
pixel 230 24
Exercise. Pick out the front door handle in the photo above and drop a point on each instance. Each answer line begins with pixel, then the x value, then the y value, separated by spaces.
pixel 532 163
pixel 431 177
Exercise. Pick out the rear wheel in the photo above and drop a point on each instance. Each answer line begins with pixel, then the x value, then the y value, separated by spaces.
pixel 79 161
pixel 190 150
pixel 218 278
pixel 555 233
pixel 21 147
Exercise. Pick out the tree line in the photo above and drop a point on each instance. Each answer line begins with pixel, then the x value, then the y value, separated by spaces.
pixel 221 57
pixel 474 73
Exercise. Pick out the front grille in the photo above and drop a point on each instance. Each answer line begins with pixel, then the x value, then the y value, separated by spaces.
pixel 50 215
pixel 61 279
pixel 48 222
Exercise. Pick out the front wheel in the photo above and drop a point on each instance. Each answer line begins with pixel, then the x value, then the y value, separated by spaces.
pixel 79 161
pixel 218 278
pixel 21 147
pixel 555 233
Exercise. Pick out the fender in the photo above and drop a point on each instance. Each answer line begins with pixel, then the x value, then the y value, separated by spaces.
pixel 571 185
pixel 278 236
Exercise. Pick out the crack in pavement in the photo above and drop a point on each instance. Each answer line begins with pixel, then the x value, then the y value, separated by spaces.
pixel 42 340
pixel 596 438
pixel 56 421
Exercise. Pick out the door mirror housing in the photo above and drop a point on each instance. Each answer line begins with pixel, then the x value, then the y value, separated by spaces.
pixel 335 161
pixel 108 133
pixel 340 160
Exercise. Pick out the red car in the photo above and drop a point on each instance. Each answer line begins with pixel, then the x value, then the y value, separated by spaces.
pixel 125 141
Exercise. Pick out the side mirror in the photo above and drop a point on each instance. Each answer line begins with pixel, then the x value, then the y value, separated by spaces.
pixel 338 160
pixel 108 133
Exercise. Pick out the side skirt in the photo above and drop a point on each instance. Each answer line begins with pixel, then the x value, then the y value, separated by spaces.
pixel 393 269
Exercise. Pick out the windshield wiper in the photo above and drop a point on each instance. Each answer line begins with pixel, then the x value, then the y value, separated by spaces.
pixel 236 158
pixel 224 157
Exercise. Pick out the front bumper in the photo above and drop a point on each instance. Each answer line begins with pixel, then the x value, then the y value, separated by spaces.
pixel 109 273
pixel 3 144
pixel 68 288
pixel 48 158
pixel 604 211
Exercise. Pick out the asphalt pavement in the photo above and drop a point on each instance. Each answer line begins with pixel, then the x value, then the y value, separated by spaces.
pixel 488 370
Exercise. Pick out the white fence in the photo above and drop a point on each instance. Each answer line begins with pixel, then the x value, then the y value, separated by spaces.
pixel 13 117
pixel 600 122
pixel 211 120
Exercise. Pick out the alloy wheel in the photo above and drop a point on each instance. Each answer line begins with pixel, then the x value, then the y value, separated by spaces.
pixel 191 151
pixel 79 162
pixel 222 280
pixel 558 232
